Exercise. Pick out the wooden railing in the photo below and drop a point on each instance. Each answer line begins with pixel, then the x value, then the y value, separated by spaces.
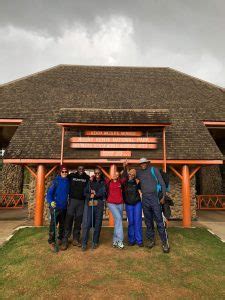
pixel 211 202
pixel 11 201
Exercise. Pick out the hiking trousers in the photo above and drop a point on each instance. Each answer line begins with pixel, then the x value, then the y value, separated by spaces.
pixel 97 223
pixel 74 218
pixel 60 220
pixel 153 212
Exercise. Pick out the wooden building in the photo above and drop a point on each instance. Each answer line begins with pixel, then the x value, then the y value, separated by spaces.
pixel 101 115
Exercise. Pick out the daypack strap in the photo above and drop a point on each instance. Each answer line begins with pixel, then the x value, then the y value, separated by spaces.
pixel 159 188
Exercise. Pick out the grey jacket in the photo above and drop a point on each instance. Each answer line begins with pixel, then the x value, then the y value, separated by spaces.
pixel 148 182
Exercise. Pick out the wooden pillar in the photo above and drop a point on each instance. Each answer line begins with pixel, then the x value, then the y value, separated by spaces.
pixel 40 194
pixel 112 171
pixel 186 196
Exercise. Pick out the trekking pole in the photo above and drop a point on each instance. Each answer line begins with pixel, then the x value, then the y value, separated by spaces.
pixel 92 225
pixel 164 221
pixel 55 232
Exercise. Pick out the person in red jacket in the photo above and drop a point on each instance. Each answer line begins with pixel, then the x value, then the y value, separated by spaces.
pixel 115 205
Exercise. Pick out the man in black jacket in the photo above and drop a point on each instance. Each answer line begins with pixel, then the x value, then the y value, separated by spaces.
pixel 78 182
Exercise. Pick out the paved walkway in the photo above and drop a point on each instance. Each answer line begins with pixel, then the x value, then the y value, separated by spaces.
pixel 10 220
pixel 214 221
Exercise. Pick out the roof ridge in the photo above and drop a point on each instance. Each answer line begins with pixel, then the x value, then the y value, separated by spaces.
pixel 199 79
pixel 30 75
pixel 111 66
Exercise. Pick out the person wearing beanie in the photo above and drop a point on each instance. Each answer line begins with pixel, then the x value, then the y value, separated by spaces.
pixel 57 198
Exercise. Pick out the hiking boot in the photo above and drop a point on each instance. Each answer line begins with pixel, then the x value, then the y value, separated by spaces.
pixel 120 245
pixel 52 247
pixel 94 246
pixel 64 246
pixel 84 247
pixel 131 244
pixel 141 245
pixel 165 247
pixel 151 244
pixel 76 243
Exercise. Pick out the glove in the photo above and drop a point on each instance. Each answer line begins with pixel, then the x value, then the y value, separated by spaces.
pixel 53 204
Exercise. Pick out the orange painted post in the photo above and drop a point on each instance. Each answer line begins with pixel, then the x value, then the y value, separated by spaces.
pixel 40 194
pixel 186 196
pixel 112 171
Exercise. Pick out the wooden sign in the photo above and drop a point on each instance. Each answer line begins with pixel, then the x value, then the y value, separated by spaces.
pixel 113 146
pixel 112 133
pixel 113 140
pixel 115 153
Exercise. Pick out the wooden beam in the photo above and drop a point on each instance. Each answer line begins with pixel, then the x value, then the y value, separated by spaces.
pixel 108 161
pixel 194 171
pixel 50 172
pixel 214 123
pixel 176 172
pixel 31 171
pixel 11 121
pixel 104 171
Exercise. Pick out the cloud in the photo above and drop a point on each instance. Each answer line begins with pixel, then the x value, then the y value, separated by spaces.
pixel 110 41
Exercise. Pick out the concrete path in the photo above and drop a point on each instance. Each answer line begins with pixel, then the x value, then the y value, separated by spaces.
pixel 214 221
pixel 10 219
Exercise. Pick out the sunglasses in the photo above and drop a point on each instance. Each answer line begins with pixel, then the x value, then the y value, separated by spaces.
pixel 97 173
pixel 64 172
pixel 80 169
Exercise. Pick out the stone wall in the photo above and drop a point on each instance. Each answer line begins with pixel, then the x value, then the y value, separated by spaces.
pixel 176 194
pixel 31 196
pixel 11 179
pixel 210 180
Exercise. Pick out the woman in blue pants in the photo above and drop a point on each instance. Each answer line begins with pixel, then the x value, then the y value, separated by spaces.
pixel 134 210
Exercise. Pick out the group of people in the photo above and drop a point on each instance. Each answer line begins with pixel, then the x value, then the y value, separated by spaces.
pixel 76 203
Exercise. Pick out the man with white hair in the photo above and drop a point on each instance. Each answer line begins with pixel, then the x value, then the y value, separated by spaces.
pixel 150 181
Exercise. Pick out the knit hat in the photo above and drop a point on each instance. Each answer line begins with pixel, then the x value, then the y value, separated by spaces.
pixel 63 168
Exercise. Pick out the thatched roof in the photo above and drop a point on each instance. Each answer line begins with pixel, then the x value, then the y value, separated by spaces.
pixel 123 94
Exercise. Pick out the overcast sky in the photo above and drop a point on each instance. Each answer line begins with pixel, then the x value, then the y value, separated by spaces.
pixel 188 35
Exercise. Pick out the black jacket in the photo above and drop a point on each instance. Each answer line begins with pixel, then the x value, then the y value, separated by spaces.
pixel 99 188
pixel 77 185
pixel 131 192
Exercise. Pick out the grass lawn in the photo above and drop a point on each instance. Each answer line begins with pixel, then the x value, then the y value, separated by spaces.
pixel 195 268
